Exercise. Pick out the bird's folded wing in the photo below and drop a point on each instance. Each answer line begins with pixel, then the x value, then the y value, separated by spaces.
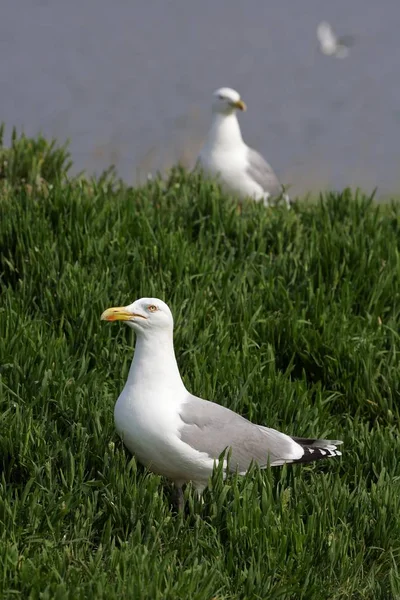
pixel 261 172
pixel 212 428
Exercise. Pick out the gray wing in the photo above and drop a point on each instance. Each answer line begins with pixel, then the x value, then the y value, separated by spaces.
pixel 262 173
pixel 347 40
pixel 212 428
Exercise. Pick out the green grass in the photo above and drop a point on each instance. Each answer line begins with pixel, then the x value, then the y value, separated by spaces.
pixel 290 318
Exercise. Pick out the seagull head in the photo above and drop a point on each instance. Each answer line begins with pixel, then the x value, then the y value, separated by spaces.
pixel 142 315
pixel 226 101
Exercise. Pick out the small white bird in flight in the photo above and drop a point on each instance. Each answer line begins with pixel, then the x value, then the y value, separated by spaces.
pixel 241 170
pixel 330 44
pixel 179 435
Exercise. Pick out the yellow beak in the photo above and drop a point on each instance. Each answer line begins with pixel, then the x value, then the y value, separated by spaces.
pixel 118 313
pixel 240 105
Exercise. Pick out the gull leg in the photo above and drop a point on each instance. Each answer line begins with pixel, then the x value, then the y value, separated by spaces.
pixel 180 500
pixel 288 201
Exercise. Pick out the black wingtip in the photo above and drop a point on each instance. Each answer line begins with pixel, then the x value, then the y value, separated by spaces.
pixel 312 454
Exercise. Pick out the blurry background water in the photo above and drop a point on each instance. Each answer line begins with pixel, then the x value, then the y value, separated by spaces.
pixel 130 83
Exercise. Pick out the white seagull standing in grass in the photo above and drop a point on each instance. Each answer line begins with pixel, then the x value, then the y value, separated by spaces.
pixel 241 170
pixel 330 44
pixel 179 435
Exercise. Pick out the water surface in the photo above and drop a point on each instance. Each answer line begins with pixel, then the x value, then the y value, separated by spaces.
pixel 130 83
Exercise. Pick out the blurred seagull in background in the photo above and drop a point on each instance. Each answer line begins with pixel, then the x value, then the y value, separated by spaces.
pixel 182 436
pixel 241 170
pixel 330 44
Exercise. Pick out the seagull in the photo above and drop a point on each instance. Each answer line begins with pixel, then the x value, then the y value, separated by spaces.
pixel 242 171
pixel 330 44
pixel 181 436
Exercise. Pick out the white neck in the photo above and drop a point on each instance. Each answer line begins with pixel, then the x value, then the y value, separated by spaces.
pixel 154 364
pixel 224 131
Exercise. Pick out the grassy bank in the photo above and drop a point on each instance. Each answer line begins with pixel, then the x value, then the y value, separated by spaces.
pixel 290 318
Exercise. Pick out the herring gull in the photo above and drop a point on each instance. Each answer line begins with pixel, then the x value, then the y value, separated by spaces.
pixel 330 44
pixel 179 435
pixel 241 170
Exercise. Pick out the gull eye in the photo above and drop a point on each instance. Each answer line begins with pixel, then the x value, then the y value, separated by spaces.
pixel 152 308
pixel 221 97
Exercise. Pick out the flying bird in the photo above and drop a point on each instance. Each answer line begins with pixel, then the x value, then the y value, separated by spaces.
pixel 241 170
pixel 182 436
pixel 330 44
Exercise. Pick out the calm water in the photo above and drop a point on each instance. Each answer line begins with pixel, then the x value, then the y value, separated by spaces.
pixel 130 82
